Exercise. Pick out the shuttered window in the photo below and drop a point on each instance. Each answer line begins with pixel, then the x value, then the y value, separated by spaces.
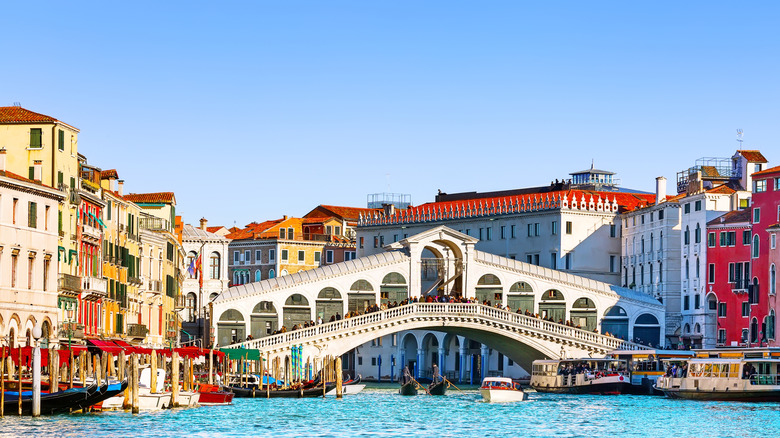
pixel 31 173
pixel 32 215
pixel 35 138
pixel 61 140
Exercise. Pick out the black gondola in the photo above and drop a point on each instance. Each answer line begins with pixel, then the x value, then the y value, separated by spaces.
pixel 409 388
pixel 279 393
pixel 51 403
pixel 437 388
pixel 103 393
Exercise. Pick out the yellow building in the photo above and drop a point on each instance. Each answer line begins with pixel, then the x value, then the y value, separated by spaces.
pixel 45 149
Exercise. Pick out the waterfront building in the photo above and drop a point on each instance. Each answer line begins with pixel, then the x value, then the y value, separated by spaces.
pixel 43 148
pixel 571 225
pixel 729 299
pixel 28 246
pixel 712 187
pixel 162 267
pixel 341 221
pixel 201 287
pixel 764 220
pixel 651 256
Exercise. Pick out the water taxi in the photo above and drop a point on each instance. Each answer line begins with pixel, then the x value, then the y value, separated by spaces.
pixel 501 389
pixel 716 378
pixel 581 376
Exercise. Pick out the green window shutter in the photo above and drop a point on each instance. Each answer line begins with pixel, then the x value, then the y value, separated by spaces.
pixel 59 221
pixel 59 179
pixel 61 144
pixel 31 173
pixel 35 138
pixel 72 182
pixel 32 218
pixel 108 210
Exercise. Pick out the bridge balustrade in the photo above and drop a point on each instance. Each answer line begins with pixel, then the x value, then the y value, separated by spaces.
pixel 433 309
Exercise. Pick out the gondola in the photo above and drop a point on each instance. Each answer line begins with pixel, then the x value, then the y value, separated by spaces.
pixel 279 393
pixel 437 388
pixel 408 388
pixel 105 392
pixel 51 403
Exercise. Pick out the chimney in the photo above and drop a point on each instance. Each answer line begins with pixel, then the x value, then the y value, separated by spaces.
pixel 2 160
pixel 120 187
pixel 389 209
pixel 37 170
pixel 203 223
pixel 284 217
pixel 660 189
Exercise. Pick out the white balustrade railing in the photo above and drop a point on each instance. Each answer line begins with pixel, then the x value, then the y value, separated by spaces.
pixel 370 320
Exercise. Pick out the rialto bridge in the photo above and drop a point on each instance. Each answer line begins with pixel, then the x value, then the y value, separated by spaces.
pixel 439 261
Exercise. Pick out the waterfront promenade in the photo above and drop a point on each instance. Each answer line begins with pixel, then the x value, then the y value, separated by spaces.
pixel 380 411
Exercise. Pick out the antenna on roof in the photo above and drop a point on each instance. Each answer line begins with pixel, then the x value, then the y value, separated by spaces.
pixel 19 104
pixel 592 163
pixel 739 137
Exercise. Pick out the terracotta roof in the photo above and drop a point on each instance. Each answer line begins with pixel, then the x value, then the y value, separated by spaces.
pixel 352 213
pixel 709 171
pixel 18 177
pixel 214 229
pixel 151 198
pixel 17 114
pixel 252 230
pixel 722 189
pixel 767 171
pixel 753 156
pixel 110 173
pixel 732 217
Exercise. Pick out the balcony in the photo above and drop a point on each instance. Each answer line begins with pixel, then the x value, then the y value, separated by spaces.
pixel 69 284
pixel 179 302
pixel 155 286
pixel 135 280
pixel 93 288
pixel 154 224
pixel 72 330
pixel 137 330
pixel 91 232
pixel 740 286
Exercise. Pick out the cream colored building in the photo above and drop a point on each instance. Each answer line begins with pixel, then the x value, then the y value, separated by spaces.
pixel 28 251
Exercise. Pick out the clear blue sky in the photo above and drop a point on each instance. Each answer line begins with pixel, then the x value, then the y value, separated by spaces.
pixel 252 110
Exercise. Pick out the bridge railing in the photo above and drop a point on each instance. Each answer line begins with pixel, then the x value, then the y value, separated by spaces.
pixel 452 309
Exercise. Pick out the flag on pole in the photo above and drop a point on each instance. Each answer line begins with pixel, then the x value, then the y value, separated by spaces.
pixel 199 269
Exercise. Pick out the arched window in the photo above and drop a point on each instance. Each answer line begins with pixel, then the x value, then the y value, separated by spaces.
pixel 191 263
pixel 772 279
pixel 362 286
pixel 697 237
pixel 258 275
pixel 697 328
pixel 651 242
pixel 755 246
pixel 687 269
pixel 236 278
pixel 296 300
pixel 687 235
pixel 770 325
pixel 271 274
pixel 191 306
pixel 214 266
pixel 489 280
pixel 697 267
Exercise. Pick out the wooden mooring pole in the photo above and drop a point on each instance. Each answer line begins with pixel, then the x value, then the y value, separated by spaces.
pixel 135 407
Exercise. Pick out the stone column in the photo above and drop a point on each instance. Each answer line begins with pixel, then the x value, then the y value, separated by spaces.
pixel 441 360
pixel 462 369
pixel 485 357
pixel 420 362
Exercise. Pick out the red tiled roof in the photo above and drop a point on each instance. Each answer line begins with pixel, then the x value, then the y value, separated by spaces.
pixel 151 198
pixel 214 229
pixel 753 156
pixel 732 217
pixel 110 173
pixel 352 213
pixel 252 230
pixel 722 189
pixel 17 114
pixel 18 177
pixel 767 171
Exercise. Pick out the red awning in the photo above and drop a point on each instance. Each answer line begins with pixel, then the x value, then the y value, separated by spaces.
pixel 107 346
pixel 64 353
pixel 27 354
pixel 196 352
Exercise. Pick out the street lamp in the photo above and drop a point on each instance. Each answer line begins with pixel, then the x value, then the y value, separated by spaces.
pixel 69 309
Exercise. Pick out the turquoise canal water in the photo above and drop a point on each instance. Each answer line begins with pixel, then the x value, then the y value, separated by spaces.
pixel 379 411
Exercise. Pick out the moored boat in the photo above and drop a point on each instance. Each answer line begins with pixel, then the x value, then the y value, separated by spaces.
pixel 501 389
pixel 51 403
pixel 581 376
pixel 212 395
pixel 300 392
pixel 737 379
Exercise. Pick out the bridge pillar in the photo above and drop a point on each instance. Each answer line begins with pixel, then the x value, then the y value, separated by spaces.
pixel 420 362
pixel 441 360
pixel 462 368
pixel 484 368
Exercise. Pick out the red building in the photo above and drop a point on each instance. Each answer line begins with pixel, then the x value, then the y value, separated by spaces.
pixel 728 278
pixel 765 215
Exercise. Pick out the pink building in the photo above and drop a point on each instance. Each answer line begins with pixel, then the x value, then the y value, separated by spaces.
pixel 765 216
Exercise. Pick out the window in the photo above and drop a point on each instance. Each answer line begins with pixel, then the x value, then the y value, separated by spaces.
pixel 511 231
pixel 687 208
pixel 745 309
pixel 568 261
pixel 711 240
pixel 772 279
pixel 30 270
pixel 290 233
pixel 643 219
pixel 756 215
pixel 271 255
pixel 686 302
pixel 533 259
pixel 361 242
pixel 721 310
pixel 349 255
pixel 746 237
pixel 258 256
pixel 697 206
pixel 759 186
pixel 36 137
pixel 711 273
pixel 612 263
pixel 554 228
pixel 480 234
pixel 236 257
pixel 282 233
pixel 32 215
pixel 46 264
pixel 755 247
pixel 772 240
pixel 489 233
pixel 284 255
pixel 687 235
pixel 721 336
pixel 376 241
pixel 697 235
pixel 13 210
pixel 328 229
pixel 247 256
pixel 554 260
pixel 530 230
pixel 503 231
pixel 395 237
pixel 613 230
pixel 302 257
pixel 777 183
pixel 317 256
pixel 568 227
pixel 214 266
pixel 338 230
pixel 329 256
pixel 660 214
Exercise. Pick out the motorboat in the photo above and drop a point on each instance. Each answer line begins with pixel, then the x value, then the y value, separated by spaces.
pixel 501 389
pixel 213 395
pixel 581 376
pixel 739 379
